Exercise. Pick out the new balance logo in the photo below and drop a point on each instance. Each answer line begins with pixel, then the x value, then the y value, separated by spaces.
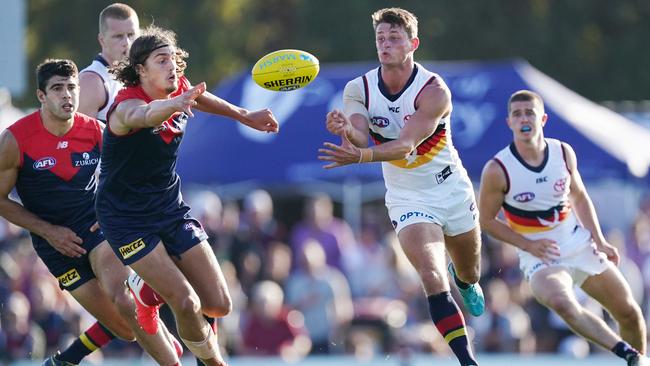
pixel 393 109
pixel 62 145
pixel 543 179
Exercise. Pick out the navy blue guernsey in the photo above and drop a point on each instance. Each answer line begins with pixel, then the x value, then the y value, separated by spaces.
pixel 56 178
pixel 138 170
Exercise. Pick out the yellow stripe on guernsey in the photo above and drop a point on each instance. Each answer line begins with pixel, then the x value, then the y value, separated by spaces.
pixel 524 229
pixel 414 161
pixel 455 334
pixel 88 342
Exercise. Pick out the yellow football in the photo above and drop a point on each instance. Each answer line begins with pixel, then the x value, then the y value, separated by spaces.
pixel 285 70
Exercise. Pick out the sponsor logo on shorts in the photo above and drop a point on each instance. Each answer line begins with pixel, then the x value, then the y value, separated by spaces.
pixel 44 163
pixel 394 223
pixel 132 248
pixel 69 278
pixel 412 214
pixel 443 175
pixel 524 197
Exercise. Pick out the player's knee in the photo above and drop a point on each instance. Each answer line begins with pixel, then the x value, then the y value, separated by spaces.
pixel 220 308
pixel 188 304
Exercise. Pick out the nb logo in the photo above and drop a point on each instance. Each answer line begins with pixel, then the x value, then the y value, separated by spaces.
pixel 393 109
pixel 62 145
pixel 543 179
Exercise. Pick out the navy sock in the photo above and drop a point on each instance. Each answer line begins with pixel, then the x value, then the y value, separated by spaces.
pixel 95 337
pixel 624 350
pixel 450 323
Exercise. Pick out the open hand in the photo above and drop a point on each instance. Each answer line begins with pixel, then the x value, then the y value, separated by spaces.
pixel 187 100
pixel 339 155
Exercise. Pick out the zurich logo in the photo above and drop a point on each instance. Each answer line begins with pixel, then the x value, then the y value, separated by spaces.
pixel 380 121
pixel 524 197
pixel 44 163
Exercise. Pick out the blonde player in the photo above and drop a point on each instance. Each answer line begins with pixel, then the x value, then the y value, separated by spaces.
pixel 551 221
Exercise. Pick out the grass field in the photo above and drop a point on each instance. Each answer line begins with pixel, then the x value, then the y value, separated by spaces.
pixel 485 360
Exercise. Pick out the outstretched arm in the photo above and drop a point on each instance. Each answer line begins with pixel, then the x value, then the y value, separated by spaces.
pixel 262 120
pixel 433 104
pixel 62 239
pixel 136 113
pixel 491 196
pixel 584 207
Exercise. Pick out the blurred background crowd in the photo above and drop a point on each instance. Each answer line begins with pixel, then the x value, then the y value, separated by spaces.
pixel 303 279
pixel 313 286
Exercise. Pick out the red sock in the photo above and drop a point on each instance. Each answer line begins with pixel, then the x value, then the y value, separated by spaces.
pixel 150 297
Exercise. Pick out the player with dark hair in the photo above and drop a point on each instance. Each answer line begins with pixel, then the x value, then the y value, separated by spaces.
pixel 406 111
pixel 552 222
pixel 139 203
pixel 50 157
pixel 118 28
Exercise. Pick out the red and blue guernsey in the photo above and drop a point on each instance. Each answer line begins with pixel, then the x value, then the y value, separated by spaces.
pixel 139 201
pixel 56 179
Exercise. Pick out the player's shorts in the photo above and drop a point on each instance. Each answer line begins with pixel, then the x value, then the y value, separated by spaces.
pixel 134 240
pixel 71 272
pixel 580 258
pixel 456 214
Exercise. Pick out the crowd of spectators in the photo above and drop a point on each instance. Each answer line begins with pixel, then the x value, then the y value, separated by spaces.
pixel 313 287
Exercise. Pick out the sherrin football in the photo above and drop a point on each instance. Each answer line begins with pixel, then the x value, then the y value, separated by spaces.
pixel 285 70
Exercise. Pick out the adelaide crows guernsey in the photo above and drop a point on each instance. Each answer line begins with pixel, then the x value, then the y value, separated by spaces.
pixel 56 178
pixel 536 203
pixel 433 168
pixel 100 66
pixel 138 170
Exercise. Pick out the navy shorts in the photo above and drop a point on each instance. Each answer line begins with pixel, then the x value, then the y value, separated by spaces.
pixel 71 272
pixel 133 240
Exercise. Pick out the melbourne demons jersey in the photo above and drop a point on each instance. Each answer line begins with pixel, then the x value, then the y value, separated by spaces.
pixel 56 178
pixel 536 203
pixel 434 164
pixel 100 67
pixel 138 170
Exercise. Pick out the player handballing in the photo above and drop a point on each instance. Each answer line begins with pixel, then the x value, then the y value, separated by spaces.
pixel 406 110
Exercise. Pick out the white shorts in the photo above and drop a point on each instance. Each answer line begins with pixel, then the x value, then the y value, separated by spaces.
pixel 581 261
pixel 457 214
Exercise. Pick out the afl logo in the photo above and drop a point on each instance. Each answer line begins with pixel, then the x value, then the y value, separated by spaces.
pixel 45 163
pixel 524 197
pixel 380 121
